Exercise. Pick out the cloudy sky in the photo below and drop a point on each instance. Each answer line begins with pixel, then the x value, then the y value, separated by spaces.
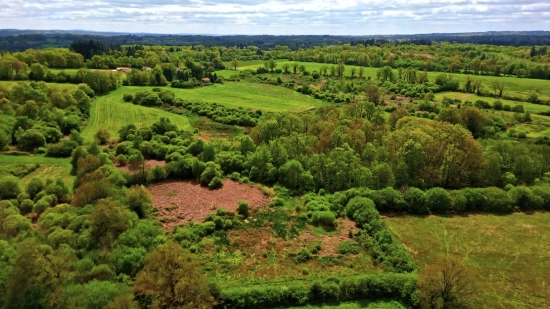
pixel 353 17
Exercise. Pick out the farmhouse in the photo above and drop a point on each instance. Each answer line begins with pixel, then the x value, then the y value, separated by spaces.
pixel 206 81
pixel 124 69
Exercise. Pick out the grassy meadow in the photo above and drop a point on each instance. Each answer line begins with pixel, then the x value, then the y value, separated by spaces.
pixel 531 107
pixel 508 256
pixel 110 112
pixel 239 94
pixel 50 168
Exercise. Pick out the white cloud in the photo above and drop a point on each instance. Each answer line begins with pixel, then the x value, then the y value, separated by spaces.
pixel 277 16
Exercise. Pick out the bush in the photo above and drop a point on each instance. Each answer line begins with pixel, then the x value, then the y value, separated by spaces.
pixel 497 105
pixel 26 206
pixel 438 200
pixel 128 97
pixel 348 246
pixel 497 200
pixel 61 150
pixel 243 209
pixel 416 201
pixel 216 183
pixel 524 198
pixel 10 187
pixel 31 139
pixel 122 160
pixel 102 136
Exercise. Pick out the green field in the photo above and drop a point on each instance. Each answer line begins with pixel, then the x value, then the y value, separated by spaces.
pixel 50 168
pixel 110 112
pixel 310 66
pixel 240 94
pixel 71 87
pixel 509 256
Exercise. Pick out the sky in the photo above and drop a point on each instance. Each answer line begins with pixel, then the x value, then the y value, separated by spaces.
pixel 278 17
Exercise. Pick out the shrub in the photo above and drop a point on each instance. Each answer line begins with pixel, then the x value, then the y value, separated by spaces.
pixel 122 160
pixel 128 97
pixel 243 209
pixel 438 200
pixel 9 187
pixel 228 224
pixel 524 198
pixel 497 200
pixel 506 107
pixel 102 136
pixel 26 206
pixel 216 183
pixel 497 105
pixel 31 139
pixel 416 201
pixel 348 246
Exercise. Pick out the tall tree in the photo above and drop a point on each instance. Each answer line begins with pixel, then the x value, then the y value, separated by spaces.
pixel 171 277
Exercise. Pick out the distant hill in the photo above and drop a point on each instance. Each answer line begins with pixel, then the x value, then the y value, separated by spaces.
pixel 19 40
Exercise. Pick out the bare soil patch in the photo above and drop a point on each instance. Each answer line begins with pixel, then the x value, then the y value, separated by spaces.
pixel 329 244
pixel 181 201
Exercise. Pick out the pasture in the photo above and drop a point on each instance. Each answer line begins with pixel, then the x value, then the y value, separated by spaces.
pixel 250 96
pixel 110 112
pixel 49 168
pixel 508 255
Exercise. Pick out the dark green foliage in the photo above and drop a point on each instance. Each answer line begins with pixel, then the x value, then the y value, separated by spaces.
pixel 334 290
pixel 63 149
pixel 9 187
pixel 31 139
pixel 438 200
pixel 243 209
pixel 348 247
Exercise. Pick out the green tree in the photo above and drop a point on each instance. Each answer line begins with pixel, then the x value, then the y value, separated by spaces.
pixel 234 63
pixel 438 200
pixel 108 219
pixel 139 201
pixel 445 284
pixel 172 278
pixel 10 187
pixel 31 139
pixel 102 136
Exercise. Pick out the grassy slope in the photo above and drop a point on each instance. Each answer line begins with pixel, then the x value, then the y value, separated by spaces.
pixel 109 111
pixel 533 108
pixel 50 168
pixel 241 94
pixel 509 255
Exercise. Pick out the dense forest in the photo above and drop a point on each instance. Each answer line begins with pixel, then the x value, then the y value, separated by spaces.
pixel 19 40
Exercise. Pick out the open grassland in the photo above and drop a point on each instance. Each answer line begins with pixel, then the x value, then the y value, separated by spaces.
pixel 310 67
pixel 509 256
pixel 49 168
pixel 250 96
pixel 9 84
pixel 110 112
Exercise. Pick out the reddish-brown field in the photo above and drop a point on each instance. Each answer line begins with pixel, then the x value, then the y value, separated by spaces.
pixel 181 201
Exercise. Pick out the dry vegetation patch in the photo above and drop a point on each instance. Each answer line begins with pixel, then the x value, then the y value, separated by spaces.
pixel 181 201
